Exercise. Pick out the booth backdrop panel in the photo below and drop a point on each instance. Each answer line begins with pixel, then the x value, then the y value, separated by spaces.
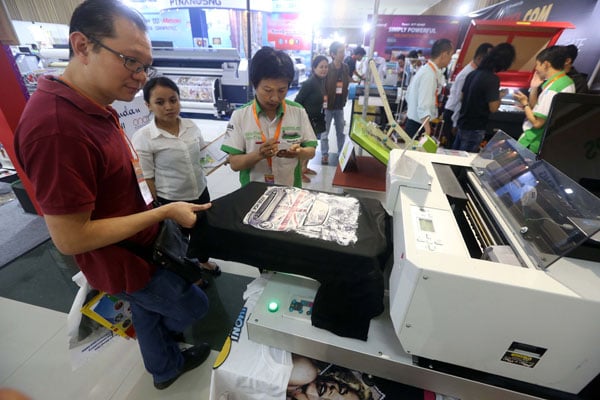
pixel 402 33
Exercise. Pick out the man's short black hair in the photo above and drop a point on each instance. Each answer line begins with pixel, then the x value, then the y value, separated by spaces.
pixel 441 46
pixel 96 18
pixel 483 49
pixel 500 58
pixel 334 48
pixel 269 63
pixel 359 51
pixel 555 55
pixel 572 52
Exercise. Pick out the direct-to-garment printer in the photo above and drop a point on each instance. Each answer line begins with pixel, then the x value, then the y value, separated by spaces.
pixel 212 82
pixel 494 291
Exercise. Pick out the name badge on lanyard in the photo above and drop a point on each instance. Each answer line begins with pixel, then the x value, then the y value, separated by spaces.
pixel 137 168
pixel 135 160
pixel 143 185
pixel 269 176
pixel 338 87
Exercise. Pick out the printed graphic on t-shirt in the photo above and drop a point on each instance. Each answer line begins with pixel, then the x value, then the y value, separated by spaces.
pixel 316 215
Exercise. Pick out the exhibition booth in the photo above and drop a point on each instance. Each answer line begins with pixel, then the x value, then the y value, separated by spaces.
pixel 472 275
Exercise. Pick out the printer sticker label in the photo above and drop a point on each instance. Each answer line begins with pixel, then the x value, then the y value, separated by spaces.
pixel 523 354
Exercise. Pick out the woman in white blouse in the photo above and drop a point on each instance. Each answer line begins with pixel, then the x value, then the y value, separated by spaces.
pixel 169 151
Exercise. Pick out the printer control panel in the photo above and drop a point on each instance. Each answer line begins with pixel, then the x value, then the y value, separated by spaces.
pixel 427 236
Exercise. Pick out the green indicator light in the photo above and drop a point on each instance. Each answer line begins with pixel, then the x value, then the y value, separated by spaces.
pixel 273 306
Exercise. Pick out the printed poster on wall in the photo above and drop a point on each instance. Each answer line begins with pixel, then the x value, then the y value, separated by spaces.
pixel 170 26
pixel 399 34
pixel 288 31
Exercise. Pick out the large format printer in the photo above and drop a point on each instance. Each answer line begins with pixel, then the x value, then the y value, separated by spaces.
pixel 212 82
pixel 494 291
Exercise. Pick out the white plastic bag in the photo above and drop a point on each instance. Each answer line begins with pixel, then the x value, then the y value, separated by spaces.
pixel 74 317
pixel 257 371
pixel 89 338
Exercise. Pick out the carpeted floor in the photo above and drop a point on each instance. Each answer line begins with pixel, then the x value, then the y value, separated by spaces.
pixel 42 277
pixel 19 231
pixel 6 193
pixel 225 299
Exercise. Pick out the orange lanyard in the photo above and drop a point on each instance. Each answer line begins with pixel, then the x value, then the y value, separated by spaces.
pixel 432 67
pixel 558 76
pixel 133 154
pixel 262 134
pixel 437 104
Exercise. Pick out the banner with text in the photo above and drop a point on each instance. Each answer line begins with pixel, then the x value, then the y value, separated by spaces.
pixel 170 26
pixel 230 4
pixel 399 34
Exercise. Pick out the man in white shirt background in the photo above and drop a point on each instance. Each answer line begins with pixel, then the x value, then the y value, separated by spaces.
pixel 423 90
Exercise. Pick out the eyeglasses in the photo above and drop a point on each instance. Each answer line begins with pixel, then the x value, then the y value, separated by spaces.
pixel 130 63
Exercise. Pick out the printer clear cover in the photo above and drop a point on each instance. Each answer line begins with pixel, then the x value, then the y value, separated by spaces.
pixel 549 212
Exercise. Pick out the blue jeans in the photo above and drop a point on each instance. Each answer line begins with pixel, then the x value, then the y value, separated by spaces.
pixel 338 118
pixel 468 140
pixel 167 304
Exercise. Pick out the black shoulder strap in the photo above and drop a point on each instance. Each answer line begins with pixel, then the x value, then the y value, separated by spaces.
pixel 144 252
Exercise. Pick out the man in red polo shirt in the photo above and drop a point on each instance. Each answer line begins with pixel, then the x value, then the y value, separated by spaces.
pixel 83 169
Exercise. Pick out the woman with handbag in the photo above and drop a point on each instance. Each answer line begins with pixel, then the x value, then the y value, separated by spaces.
pixel 169 150
pixel 312 96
